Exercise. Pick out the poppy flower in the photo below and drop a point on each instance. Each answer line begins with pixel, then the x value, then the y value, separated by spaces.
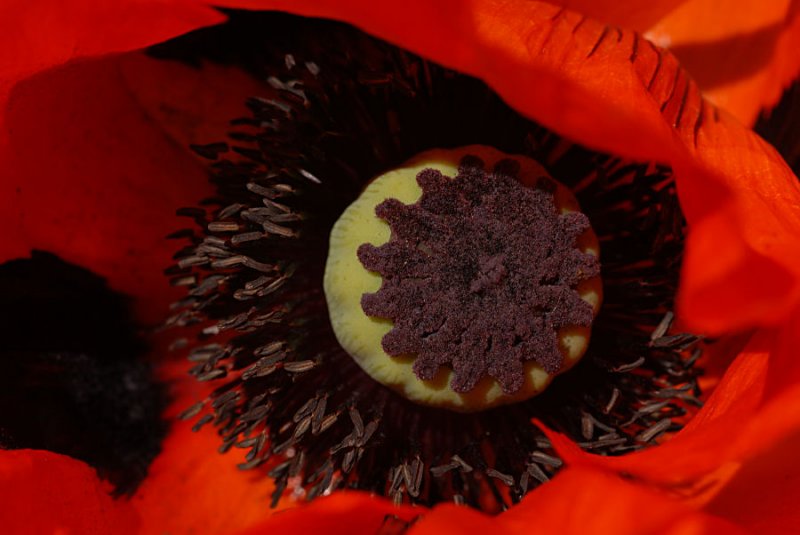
pixel 597 85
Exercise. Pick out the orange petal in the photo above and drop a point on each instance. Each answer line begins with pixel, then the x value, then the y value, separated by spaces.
pixel 342 513
pixel 750 285
pixel 581 500
pixel 43 492
pixel 612 90
pixel 739 269
pixel 742 58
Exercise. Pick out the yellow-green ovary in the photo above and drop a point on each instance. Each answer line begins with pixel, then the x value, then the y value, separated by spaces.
pixel 346 280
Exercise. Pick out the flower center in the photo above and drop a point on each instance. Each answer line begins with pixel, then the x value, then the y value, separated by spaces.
pixel 465 292
pixel 291 387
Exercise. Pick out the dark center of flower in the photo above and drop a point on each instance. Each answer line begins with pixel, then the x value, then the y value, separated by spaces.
pixel 479 275
pixel 339 110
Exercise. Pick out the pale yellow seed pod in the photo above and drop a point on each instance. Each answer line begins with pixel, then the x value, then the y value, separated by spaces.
pixel 346 280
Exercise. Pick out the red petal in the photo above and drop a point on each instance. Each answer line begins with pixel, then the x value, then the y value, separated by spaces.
pixel 784 367
pixel 742 58
pixel 39 34
pixel 764 494
pixel 581 500
pixel 97 168
pixel 739 269
pixel 612 90
pixel 455 519
pixel 736 286
pixel 43 492
pixel 342 513
pixel 91 178
pixel 192 105
pixel 191 488
pixel 703 524
pixel 633 15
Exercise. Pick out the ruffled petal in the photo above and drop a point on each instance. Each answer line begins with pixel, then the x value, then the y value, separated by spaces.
pixel 742 58
pixel 557 66
pixel 44 492
pixel 613 90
